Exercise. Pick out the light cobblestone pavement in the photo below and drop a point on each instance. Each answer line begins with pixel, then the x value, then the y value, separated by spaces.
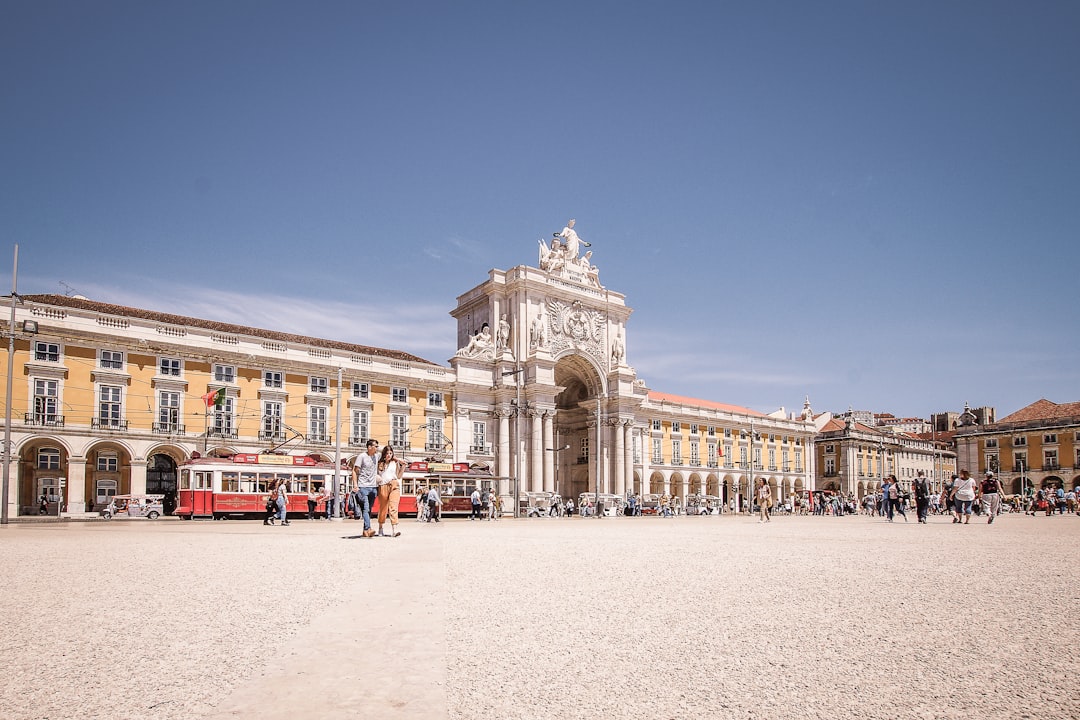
pixel 723 617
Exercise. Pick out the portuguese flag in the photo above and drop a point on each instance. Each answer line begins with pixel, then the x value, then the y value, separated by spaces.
pixel 214 397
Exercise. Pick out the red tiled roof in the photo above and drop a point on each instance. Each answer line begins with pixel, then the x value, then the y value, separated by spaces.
pixel 94 306
pixel 1043 409
pixel 659 397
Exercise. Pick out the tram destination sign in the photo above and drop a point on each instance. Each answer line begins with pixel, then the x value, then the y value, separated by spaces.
pixel 274 459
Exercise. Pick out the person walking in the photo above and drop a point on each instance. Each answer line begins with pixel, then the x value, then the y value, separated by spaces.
pixel 764 498
pixel 283 502
pixel 389 484
pixel 990 494
pixel 365 472
pixel 886 498
pixel 896 499
pixel 271 504
pixel 963 494
pixel 474 500
pixel 922 496
pixel 312 501
pixel 434 503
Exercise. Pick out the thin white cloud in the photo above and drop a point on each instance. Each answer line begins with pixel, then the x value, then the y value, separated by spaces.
pixel 423 330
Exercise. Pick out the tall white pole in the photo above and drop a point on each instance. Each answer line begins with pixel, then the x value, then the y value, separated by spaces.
pixel 10 373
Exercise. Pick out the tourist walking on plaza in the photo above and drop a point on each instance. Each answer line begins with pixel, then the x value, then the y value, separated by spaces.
pixel 963 494
pixel 312 501
pixel 434 504
pixel 283 502
pixel 365 472
pixel 922 496
pixel 886 501
pixel 474 500
pixel 271 504
pixel 990 493
pixel 897 499
pixel 764 498
pixel 389 484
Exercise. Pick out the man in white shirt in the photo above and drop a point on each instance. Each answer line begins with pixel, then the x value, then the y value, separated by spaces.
pixel 364 475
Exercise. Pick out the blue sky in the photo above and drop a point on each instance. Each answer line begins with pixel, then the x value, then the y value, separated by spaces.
pixel 874 204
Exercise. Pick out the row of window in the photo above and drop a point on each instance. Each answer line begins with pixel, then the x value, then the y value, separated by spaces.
pixel 221 373
pixel 715 456
pixel 1051 461
pixel 710 431
pixel 1021 440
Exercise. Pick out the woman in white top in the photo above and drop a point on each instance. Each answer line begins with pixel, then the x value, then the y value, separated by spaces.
pixel 389 482
pixel 764 498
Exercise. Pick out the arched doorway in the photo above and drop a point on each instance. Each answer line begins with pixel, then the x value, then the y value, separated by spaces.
pixel 161 480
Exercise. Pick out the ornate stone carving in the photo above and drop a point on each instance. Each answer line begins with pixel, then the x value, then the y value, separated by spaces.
pixel 575 327
pixel 618 351
pixel 561 257
pixel 538 332
pixel 481 346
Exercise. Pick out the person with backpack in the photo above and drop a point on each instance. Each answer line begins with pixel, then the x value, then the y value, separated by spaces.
pixel 271 504
pixel 990 492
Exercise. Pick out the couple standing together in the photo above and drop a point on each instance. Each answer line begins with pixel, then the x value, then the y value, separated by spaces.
pixel 378 476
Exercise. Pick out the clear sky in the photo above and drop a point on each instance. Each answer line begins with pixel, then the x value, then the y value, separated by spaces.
pixel 875 204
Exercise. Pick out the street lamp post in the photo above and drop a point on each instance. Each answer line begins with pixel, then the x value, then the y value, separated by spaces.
pixel 596 508
pixel 517 441
pixel 10 372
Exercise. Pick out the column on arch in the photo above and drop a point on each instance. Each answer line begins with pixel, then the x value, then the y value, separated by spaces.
pixel 76 485
pixel 620 458
pixel 536 452
pixel 549 453
pixel 504 445
pixel 138 476
pixel 628 454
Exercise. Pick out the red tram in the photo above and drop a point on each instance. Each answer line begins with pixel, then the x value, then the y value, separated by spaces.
pixel 239 486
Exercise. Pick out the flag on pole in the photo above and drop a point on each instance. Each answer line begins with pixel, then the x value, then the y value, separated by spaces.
pixel 214 397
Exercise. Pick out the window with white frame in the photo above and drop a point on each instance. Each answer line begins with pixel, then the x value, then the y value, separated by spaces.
pixel 676 452
pixel 319 385
pixel 830 467
pixel 108 461
pixel 798 460
pixel 584 451
pixel 46 401
pixel 272 424
pixel 1050 438
pixel 742 456
pixel 105 490
pixel 479 434
pixel 991 442
pixel 729 459
pixel 435 399
pixel 727 432
pixel 110 410
pixel 273 379
pixel 399 394
pixel 1050 459
pixel 111 360
pixel 47 351
pixel 1020 440
pixel 695 453
pixel 399 431
pixel 170 367
pixel 636 448
pixel 711 451
pixel 694 429
pixel 657 425
pixel 657 451
pixel 712 431
pixel 317 423
pixel 434 434
pixel 1021 462
pixel 168 411
pixel 48 458
pixel 361 390
pixel 772 458
pixel 224 420
pixel 360 429
pixel 224 373
pixel 784 459
pixel 676 427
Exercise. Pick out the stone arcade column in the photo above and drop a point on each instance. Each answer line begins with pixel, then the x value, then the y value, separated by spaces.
pixel 138 476
pixel 550 457
pixel 628 453
pixel 536 451
pixel 76 485
pixel 646 458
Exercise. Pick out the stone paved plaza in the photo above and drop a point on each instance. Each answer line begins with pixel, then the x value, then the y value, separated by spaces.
pixel 696 617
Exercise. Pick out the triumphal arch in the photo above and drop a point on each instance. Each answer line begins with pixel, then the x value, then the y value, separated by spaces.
pixel 542 376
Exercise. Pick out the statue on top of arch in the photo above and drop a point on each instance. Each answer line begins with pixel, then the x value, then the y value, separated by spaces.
pixel 562 256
